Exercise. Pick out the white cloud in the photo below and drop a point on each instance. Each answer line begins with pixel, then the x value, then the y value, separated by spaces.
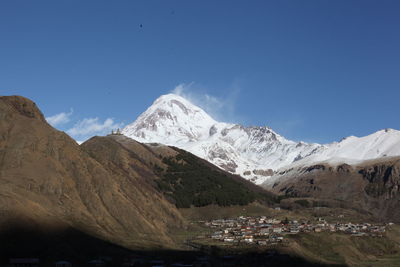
pixel 178 90
pixel 59 119
pixel 88 127
pixel 222 109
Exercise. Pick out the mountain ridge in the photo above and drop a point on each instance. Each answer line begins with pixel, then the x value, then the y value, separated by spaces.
pixel 252 152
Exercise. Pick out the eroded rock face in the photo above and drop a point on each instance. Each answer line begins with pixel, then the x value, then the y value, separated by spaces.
pixel 218 153
pixel 314 168
pixel 344 168
pixel 181 106
pixel 372 186
pixel 229 166
pixel 267 172
pixel 383 180
pixel 213 130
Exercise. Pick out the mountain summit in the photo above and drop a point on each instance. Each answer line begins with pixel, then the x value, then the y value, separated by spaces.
pixel 252 152
pixel 170 120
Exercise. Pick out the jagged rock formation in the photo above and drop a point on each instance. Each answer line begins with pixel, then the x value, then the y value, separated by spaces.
pixel 383 179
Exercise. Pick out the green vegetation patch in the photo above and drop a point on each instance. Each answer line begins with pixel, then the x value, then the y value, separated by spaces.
pixel 189 181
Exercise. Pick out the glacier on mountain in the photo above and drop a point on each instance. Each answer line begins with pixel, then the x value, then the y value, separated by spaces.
pixel 255 153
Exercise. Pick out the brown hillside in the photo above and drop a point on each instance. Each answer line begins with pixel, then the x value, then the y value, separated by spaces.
pixel 373 186
pixel 49 180
pixel 178 174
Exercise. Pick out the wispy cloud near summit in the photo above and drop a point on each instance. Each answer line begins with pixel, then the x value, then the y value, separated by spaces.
pixel 222 109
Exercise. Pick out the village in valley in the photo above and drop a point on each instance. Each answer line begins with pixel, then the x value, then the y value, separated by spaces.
pixel 265 231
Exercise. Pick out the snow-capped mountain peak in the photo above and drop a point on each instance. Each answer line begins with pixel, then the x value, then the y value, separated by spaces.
pixel 171 119
pixel 252 152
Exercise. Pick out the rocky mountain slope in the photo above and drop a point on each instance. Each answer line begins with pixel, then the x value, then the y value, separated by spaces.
pixel 372 186
pixel 255 153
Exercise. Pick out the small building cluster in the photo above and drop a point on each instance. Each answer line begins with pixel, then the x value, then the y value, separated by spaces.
pixel 268 231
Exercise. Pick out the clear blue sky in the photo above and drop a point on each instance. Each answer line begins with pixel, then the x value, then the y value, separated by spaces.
pixel 312 70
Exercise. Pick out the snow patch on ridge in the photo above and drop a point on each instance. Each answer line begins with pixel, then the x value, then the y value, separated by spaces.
pixel 255 153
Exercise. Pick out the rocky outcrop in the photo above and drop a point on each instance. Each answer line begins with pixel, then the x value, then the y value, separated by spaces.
pixel 383 180
pixel 372 186
pixel 267 172
pixel 314 168
pixel 344 168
